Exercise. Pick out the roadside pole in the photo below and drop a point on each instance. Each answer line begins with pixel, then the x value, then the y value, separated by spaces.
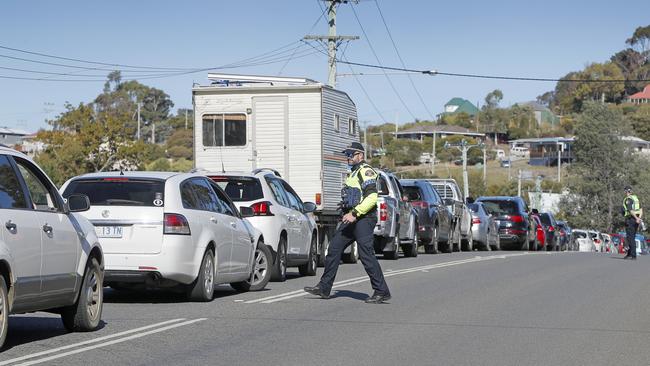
pixel 519 183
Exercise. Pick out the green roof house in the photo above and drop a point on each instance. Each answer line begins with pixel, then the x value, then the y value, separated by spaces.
pixel 458 105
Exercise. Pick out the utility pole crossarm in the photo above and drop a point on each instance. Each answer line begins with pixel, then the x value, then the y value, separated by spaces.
pixel 336 38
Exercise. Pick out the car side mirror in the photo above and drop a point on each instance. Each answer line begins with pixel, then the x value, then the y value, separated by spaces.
pixel 78 203
pixel 246 211
pixel 309 207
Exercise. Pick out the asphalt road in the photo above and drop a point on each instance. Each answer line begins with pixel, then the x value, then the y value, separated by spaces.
pixel 481 308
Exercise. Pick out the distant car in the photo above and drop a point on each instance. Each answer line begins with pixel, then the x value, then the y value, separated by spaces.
pixel 485 231
pixel 505 163
pixel 565 234
pixel 598 240
pixel 50 257
pixel 516 227
pixel 619 241
pixel 551 229
pixel 165 229
pixel 285 221
pixel 434 219
pixel 582 241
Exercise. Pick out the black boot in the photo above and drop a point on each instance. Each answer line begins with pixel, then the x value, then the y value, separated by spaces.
pixel 316 291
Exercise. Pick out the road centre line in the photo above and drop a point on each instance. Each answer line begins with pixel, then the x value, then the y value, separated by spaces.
pixel 95 340
pixel 294 294
pixel 115 341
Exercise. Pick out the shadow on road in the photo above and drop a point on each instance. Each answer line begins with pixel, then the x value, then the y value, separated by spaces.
pixel 350 294
pixel 27 329
pixel 136 296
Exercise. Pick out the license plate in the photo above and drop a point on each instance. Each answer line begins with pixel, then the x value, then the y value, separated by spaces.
pixel 109 231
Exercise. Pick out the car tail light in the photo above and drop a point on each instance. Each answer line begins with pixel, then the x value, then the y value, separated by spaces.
pixel 476 220
pixel 262 208
pixel 551 229
pixel 217 178
pixel 516 218
pixel 176 224
pixel 419 204
pixel 115 179
pixel 383 212
pixel 318 198
pixel 597 241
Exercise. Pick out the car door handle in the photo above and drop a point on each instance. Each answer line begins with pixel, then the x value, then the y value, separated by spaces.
pixel 233 224
pixel 214 220
pixel 47 228
pixel 291 218
pixel 10 226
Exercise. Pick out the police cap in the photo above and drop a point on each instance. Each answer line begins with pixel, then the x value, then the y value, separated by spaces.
pixel 353 148
pixel 628 188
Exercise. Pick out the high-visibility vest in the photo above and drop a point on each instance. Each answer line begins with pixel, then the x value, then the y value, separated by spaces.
pixel 637 207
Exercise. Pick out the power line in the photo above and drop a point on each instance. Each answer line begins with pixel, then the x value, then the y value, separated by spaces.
pixel 402 61
pixel 366 93
pixel 379 62
pixel 309 31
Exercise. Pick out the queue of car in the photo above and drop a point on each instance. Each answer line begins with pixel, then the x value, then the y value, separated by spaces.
pixel 191 231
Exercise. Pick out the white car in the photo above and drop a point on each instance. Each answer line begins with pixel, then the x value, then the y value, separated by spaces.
pixel 162 229
pixel 50 257
pixel 598 240
pixel 286 222
pixel 583 241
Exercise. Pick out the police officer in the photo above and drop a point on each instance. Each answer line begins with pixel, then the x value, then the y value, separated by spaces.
pixel 359 206
pixel 632 212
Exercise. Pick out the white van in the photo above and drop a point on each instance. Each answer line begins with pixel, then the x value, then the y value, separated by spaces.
pixel 520 151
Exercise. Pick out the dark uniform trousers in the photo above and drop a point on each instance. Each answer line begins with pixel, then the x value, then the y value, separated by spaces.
pixel 361 231
pixel 630 235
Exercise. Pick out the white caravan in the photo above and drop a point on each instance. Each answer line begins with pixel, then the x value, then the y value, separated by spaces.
pixel 295 126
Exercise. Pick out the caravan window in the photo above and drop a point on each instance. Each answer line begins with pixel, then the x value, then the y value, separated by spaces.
pixel 224 129
pixel 352 126
pixel 337 123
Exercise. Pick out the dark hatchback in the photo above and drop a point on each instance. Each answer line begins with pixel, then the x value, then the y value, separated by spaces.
pixel 434 219
pixel 516 227
pixel 552 231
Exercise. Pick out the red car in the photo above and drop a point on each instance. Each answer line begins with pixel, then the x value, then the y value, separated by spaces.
pixel 540 234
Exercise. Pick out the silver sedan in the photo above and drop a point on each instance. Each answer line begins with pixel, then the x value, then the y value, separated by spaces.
pixel 484 228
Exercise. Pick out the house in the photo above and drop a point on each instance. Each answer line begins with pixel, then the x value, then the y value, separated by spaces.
pixel 460 105
pixel 542 114
pixel 11 136
pixel 419 132
pixel 642 97
pixel 640 146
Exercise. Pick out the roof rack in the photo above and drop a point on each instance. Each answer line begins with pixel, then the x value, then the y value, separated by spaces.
pixel 277 174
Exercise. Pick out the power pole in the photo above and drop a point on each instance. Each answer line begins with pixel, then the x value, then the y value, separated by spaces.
pixel 333 41
pixel 186 119
pixel 433 153
pixel 153 133
pixel 139 104
pixel 463 146
pixel 519 184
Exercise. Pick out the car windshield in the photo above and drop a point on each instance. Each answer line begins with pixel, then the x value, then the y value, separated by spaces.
pixel 501 207
pixel 119 191
pixel 240 189
pixel 546 219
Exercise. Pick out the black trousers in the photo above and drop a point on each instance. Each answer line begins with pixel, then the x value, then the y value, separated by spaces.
pixel 630 233
pixel 361 231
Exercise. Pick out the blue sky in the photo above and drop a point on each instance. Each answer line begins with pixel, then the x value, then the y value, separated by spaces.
pixel 515 38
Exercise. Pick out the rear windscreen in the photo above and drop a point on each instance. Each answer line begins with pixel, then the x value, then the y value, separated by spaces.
pixel 119 191
pixel 240 189
pixel 579 234
pixel 473 207
pixel 413 193
pixel 498 207
pixel 546 219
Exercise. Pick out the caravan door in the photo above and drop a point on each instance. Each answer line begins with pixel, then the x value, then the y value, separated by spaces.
pixel 271 133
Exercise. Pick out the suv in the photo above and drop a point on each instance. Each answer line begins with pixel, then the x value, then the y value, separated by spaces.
pixel 517 229
pixel 50 258
pixel 397 221
pixel 434 219
pixel 285 221
pixel 172 230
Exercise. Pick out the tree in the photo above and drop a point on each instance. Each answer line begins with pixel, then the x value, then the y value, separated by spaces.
pixel 606 91
pixel 602 166
pixel 641 39
pixel 405 151
pixel 493 98
pixel 546 99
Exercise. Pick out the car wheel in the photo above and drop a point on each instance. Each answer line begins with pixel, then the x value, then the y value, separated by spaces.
pixel 432 247
pixel 86 313
pixel 202 289
pixel 261 273
pixel 279 269
pixel 412 249
pixel 4 311
pixel 309 268
pixel 469 242
pixel 353 256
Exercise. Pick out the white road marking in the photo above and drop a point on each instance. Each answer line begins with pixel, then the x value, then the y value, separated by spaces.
pixel 115 341
pixel 353 281
pixel 95 340
pixel 240 300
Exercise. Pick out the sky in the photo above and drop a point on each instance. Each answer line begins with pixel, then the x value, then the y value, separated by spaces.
pixel 543 39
